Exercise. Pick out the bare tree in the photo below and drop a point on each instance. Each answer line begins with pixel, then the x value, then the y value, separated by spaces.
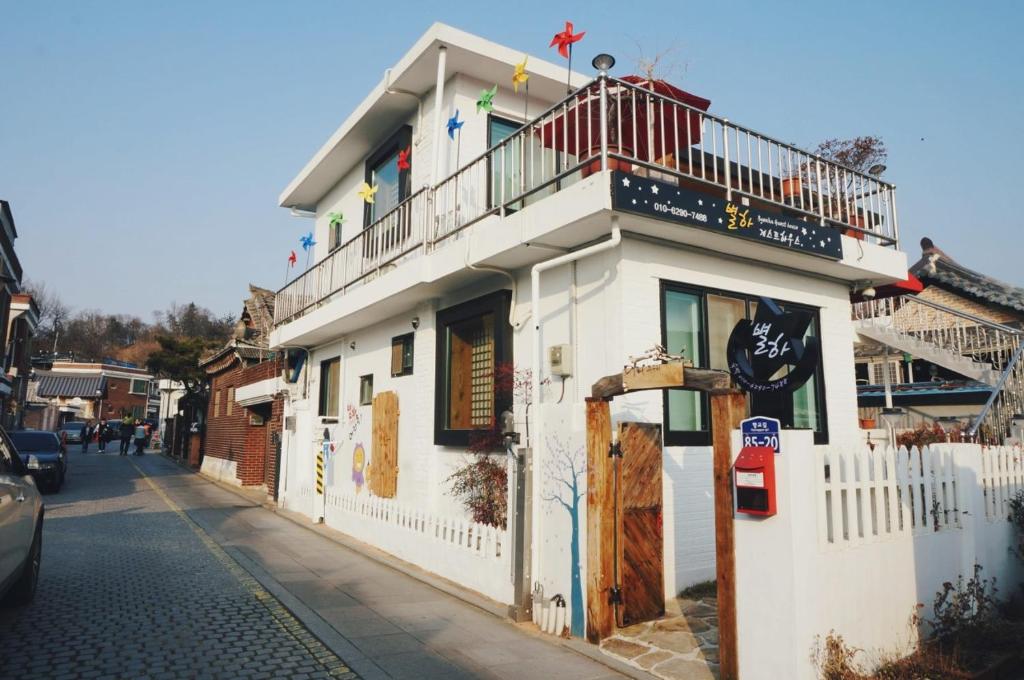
pixel 662 64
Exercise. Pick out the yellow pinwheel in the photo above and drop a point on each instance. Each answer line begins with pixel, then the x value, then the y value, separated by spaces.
pixel 366 192
pixel 520 76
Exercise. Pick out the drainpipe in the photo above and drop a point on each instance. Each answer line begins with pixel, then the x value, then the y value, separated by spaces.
pixel 537 363
pixel 442 57
pixel 419 104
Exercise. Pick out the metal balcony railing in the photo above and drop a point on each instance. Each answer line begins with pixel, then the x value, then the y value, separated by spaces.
pixel 608 124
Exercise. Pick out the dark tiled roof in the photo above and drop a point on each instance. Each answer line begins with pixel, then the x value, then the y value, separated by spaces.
pixel 939 268
pixel 64 385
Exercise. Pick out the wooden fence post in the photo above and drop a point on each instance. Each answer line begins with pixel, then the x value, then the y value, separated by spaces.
pixel 600 521
pixel 728 408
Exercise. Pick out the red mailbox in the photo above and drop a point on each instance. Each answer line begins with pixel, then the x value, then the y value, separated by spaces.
pixel 754 475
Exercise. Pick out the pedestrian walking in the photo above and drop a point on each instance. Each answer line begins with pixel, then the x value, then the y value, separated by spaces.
pixel 127 430
pixel 101 436
pixel 86 436
pixel 149 433
pixel 140 438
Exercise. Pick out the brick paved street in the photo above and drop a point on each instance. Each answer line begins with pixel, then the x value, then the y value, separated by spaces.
pixel 131 589
pixel 143 577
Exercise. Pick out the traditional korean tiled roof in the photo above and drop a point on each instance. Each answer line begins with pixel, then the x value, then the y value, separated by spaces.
pixel 936 267
pixel 66 385
pixel 259 308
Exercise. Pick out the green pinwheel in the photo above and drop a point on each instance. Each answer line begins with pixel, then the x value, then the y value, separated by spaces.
pixel 486 100
pixel 336 219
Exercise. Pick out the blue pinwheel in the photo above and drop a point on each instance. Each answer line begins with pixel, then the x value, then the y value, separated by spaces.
pixel 307 241
pixel 454 124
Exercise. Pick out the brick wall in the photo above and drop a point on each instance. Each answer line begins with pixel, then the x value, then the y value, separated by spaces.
pixel 120 401
pixel 229 434
pixel 989 312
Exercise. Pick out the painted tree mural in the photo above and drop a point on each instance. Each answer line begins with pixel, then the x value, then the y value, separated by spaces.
pixel 564 471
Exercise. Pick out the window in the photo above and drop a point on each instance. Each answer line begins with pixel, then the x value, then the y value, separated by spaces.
pixel 393 185
pixel 697 323
pixel 401 355
pixel 231 400
pixel 216 404
pixel 334 235
pixel 365 390
pixel 878 372
pixel 330 378
pixel 139 387
pixel 473 341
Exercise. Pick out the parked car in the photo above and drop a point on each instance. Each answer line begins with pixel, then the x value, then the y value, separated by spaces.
pixel 44 455
pixel 71 432
pixel 21 527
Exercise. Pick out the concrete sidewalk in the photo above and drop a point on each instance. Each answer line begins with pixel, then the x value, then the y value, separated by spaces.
pixel 384 623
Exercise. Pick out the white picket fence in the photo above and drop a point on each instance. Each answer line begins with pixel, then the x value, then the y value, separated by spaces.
pixel 471 554
pixel 1002 477
pixel 862 539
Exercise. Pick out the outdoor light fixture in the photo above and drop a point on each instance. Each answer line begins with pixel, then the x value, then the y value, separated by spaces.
pixel 352 345
pixel 876 169
pixel 603 63
pixel 415 322
pixel 869 293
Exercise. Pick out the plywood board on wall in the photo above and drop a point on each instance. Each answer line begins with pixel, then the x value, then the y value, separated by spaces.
pixel 383 470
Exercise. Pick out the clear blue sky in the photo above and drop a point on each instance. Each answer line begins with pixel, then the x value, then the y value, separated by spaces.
pixel 143 145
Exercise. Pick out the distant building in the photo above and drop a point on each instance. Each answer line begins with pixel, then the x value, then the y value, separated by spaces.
pixel 22 324
pixel 80 391
pixel 949 350
pixel 243 419
pixel 10 285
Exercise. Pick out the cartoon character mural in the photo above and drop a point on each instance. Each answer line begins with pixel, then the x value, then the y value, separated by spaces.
pixel 563 470
pixel 359 467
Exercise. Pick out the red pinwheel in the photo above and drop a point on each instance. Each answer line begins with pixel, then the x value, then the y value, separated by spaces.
pixel 292 259
pixel 565 39
pixel 403 158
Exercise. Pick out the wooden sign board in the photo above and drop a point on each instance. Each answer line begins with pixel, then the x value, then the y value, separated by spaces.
pixel 653 377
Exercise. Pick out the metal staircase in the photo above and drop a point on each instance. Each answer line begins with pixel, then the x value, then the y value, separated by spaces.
pixel 960 342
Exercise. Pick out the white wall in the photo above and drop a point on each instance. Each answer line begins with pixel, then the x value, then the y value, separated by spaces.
pixel 796 580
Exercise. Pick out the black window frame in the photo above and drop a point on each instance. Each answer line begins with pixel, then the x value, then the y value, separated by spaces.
pixel 364 381
pixel 400 139
pixel 703 437
pixel 406 340
pixel 496 303
pixel 323 397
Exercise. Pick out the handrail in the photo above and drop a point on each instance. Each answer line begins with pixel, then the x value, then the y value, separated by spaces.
pixel 966 315
pixel 360 235
pixel 730 123
pixel 997 390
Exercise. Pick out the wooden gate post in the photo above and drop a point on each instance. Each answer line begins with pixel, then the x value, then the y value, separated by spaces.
pixel 728 408
pixel 600 521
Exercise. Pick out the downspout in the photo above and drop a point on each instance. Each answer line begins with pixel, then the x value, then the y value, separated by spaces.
pixel 538 433
pixel 484 268
pixel 442 57
pixel 419 104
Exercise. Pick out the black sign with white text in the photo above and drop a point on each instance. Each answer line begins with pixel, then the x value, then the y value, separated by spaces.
pixel 654 198
pixel 759 348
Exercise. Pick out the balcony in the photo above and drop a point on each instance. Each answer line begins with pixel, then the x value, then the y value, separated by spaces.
pixel 613 125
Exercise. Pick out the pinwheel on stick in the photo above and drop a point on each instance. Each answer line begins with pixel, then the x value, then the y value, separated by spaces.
pixel 564 42
pixel 521 77
pixel 307 243
pixel 486 100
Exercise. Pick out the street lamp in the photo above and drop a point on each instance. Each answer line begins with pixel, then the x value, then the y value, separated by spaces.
pixel 603 63
pixel 892 416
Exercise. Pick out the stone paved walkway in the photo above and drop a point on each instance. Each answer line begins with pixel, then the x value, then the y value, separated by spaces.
pixel 681 646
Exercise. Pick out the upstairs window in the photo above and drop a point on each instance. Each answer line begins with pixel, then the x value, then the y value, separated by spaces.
pixel 393 185
pixel 139 387
pixel 474 339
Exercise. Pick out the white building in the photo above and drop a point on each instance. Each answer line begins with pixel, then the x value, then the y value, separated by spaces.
pixel 598 230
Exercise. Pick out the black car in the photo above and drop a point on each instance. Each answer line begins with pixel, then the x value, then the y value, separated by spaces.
pixel 43 455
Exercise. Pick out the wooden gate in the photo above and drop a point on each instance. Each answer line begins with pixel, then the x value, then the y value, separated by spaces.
pixel 383 470
pixel 638 524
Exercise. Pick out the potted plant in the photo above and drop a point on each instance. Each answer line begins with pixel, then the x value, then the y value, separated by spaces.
pixel 866 156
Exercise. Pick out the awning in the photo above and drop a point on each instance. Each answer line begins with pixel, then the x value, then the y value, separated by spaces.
pixel 639 125
pixel 58 385
pixel 909 286
pixel 261 392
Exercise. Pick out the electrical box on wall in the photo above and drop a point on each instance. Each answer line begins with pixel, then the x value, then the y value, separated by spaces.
pixel 560 359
